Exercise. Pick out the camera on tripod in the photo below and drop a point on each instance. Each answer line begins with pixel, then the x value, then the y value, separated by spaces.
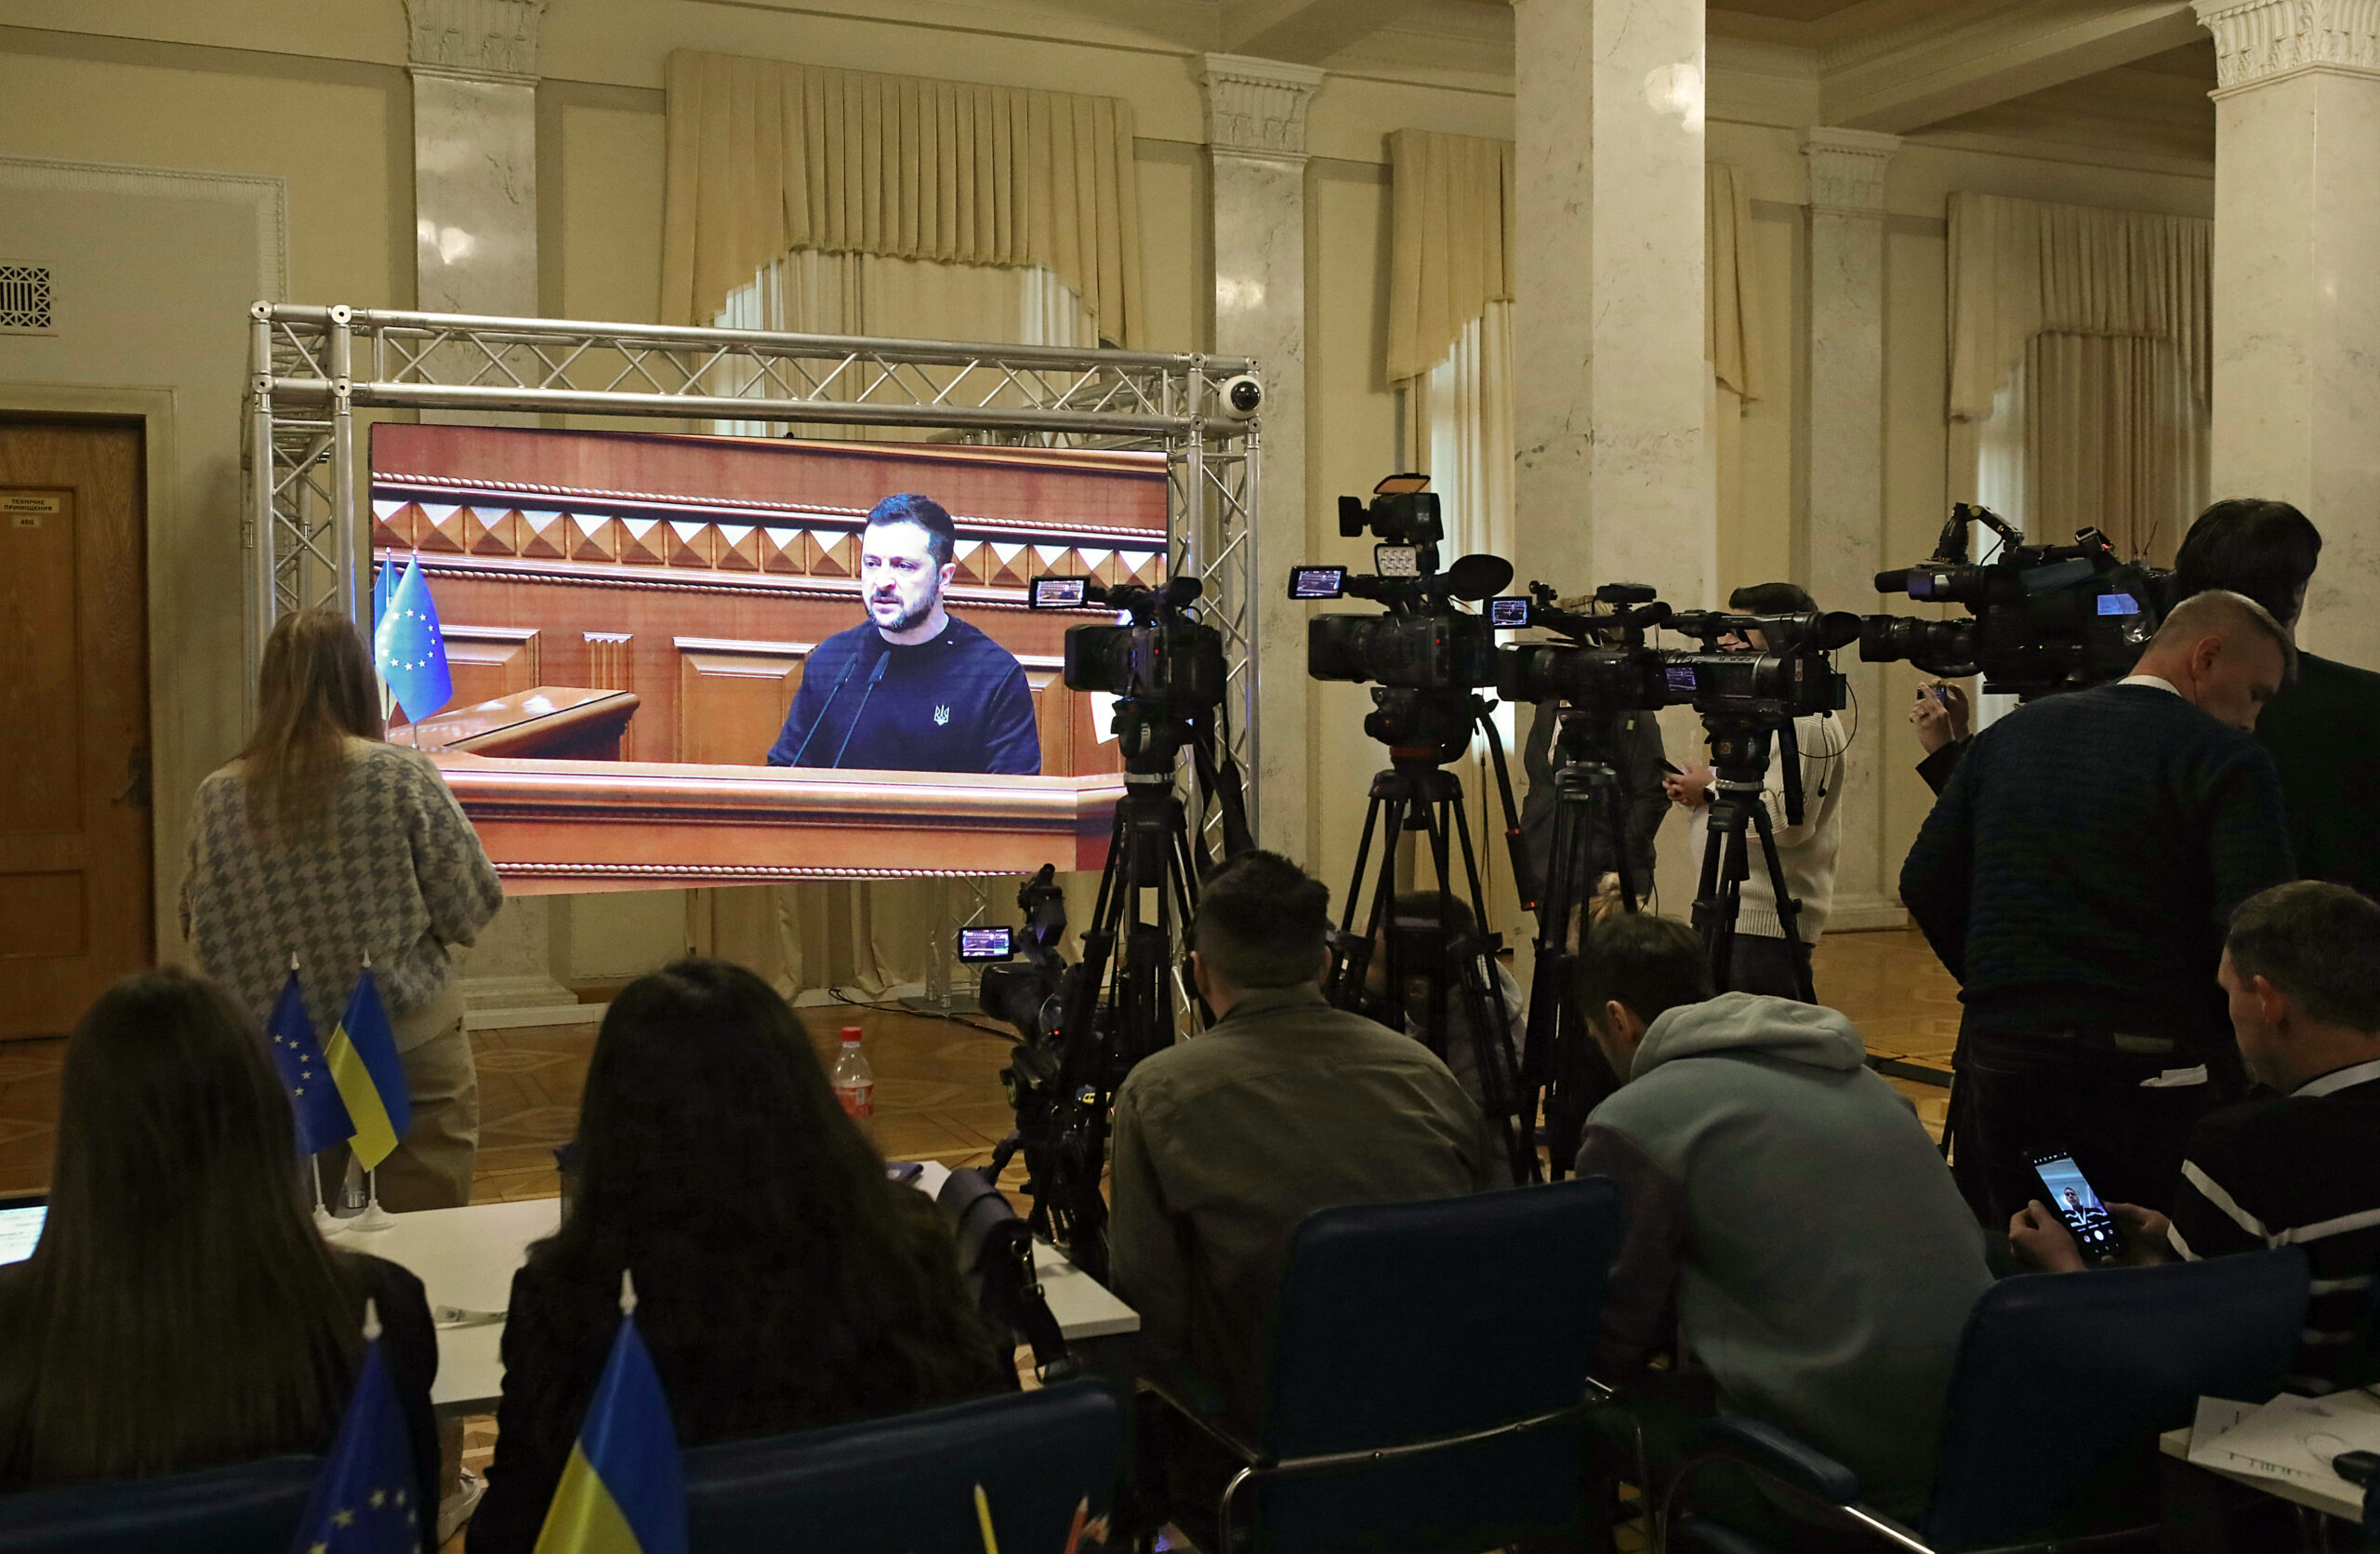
pixel 1164 667
pixel 1788 675
pixel 1618 673
pixel 2045 618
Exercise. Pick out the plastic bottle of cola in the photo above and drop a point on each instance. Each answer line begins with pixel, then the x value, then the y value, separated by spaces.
pixel 856 1082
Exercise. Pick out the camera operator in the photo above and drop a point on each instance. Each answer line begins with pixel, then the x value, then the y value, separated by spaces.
pixel 1634 741
pixel 1419 908
pixel 1284 1106
pixel 1942 716
pixel 1763 962
pixel 2075 876
pixel 2322 731
pixel 2301 970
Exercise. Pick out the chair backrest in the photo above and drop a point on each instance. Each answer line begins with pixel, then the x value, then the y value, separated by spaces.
pixel 908 1482
pixel 1398 1322
pixel 2063 1380
pixel 233 1509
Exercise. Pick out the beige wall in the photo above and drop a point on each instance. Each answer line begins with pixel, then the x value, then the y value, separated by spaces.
pixel 316 98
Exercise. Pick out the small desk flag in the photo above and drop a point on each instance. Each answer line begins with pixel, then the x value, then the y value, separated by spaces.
pixel 313 1098
pixel 409 649
pixel 621 1492
pixel 364 1500
pixel 384 585
pixel 363 1064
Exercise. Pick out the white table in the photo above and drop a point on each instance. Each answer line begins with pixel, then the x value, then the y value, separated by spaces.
pixel 466 1258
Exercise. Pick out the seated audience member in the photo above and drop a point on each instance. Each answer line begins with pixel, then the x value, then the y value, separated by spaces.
pixel 1787 1214
pixel 1419 908
pixel 1284 1106
pixel 782 1280
pixel 181 1311
pixel 2296 1167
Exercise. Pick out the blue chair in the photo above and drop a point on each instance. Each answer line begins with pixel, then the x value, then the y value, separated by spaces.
pixel 2061 1385
pixel 1426 1377
pixel 235 1510
pixel 908 1482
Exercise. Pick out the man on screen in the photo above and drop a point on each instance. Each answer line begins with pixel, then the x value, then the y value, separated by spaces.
pixel 912 688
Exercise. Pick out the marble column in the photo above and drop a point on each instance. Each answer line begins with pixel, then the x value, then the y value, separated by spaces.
pixel 2296 317
pixel 1256 114
pixel 474 66
pixel 1846 527
pixel 1613 479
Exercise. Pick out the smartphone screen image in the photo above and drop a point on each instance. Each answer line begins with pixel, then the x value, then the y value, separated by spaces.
pixel 2065 1189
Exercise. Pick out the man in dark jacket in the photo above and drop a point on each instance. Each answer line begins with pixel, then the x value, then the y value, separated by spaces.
pixel 2076 876
pixel 912 688
pixel 1634 743
pixel 2324 729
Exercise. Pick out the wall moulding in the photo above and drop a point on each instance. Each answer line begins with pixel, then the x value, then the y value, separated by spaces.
pixel 482 38
pixel 1847 168
pixel 1258 106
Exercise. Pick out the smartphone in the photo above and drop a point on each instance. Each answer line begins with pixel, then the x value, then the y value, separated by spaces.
pixel 2065 1189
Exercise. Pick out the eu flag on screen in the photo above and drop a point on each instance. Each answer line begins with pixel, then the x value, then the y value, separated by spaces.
pixel 364 1500
pixel 621 1492
pixel 409 649
pixel 313 1098
pixel 363 1065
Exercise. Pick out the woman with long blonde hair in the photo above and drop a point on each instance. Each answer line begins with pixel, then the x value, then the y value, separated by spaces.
pixel 323 839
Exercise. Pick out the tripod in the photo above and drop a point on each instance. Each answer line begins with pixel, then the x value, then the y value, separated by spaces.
pixel 1560 1059
pixel 1127 957
pixel 1417 794
pixel 1739 751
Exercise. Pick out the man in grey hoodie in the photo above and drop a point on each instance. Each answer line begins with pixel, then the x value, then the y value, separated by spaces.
pixel 1788 1218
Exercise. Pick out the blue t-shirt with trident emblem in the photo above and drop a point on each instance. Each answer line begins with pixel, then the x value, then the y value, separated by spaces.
pixel 957 703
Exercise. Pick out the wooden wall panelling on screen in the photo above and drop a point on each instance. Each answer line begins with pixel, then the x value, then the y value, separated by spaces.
pixel 74 800
pixel 490 661
pixel 733 696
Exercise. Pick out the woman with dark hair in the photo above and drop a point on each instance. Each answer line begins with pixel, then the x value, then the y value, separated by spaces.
pixel 181 1310
pixel 323 839
pixel 782 1280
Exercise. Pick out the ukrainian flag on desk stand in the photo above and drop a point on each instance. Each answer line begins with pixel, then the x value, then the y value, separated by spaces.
pixel 409 650
pixel 363 1502
pixel 363 1064
pixel 314 1101
pixel 621 1492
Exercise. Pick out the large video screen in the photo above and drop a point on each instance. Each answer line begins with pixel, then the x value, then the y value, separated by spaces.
pixel 822 648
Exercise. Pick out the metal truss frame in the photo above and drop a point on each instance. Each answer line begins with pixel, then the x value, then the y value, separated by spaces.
pixel 313 367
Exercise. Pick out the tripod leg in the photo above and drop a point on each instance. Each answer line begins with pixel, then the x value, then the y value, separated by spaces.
pixel 1490 1023
pixel 1789 911
pixel 1352 962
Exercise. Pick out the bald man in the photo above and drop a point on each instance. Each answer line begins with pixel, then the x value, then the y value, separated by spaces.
pixel 2076 877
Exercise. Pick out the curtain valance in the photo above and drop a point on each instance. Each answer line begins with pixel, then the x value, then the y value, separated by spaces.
pixel 1451 206
pixel 2021 268
pixel 766 157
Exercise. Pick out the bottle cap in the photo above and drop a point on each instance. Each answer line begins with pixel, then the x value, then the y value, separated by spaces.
pixel 850 1035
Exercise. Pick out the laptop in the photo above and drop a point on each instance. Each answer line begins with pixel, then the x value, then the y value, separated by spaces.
pixel 21 1220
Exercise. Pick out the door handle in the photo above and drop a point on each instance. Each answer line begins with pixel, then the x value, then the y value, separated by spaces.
pixel 135 787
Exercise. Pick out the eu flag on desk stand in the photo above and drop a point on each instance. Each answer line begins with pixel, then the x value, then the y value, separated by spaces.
pixel 313 1098
pixel 363 1064
pixel 364 1500
pixel 384 584
pixel 621 1492
pixel 409 650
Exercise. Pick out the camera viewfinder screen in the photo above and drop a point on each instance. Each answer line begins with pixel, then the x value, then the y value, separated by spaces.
pixel 1059 593
pixel 2066 1190
pixel 1317 582
pixel 20 1231
pixel 1681 678
pixel 984 944
pixel 1508 613
pixel 2119 603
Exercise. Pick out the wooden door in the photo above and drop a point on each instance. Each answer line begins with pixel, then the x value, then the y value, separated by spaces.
pixel 74 850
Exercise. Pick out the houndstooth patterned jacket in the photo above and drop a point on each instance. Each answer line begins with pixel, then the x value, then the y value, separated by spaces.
pixel 397 872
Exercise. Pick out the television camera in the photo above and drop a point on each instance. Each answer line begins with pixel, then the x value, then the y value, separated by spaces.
pixel 2044 618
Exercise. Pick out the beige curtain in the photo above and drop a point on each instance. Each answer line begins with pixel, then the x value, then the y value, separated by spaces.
pixel 766 157
pixel 867 939
pixel 2080 367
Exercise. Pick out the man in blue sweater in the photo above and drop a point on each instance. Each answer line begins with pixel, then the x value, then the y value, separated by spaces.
pixel 2076 877
pixel 912 688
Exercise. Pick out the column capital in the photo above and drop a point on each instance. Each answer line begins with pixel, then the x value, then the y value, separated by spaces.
pixel 1847 168
pixel 494 40
pixel 2258 41
pixel 1257 106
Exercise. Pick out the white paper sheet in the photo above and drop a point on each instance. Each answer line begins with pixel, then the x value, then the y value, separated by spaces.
pixel 2291 1438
